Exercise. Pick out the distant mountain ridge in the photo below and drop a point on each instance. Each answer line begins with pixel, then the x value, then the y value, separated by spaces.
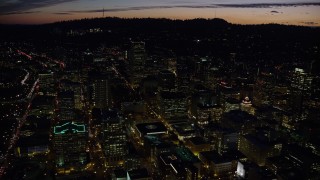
pixel 204 37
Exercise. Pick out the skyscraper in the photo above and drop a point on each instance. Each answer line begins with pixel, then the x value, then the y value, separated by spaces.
pixel 46 83
pixel 112 136
pixel 101 93
pixel 137 58
pixel 300 89
pixel 172 105
pixel 166 80
pixel 70 145
pixel 66 105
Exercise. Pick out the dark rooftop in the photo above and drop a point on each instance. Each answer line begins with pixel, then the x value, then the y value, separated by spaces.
pixel 197 140
pixel 214 156
pixel 151 128
pixel 172 95
pixel 138 173
pixel 120 173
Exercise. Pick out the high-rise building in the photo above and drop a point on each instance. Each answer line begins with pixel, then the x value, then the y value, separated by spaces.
pixel 66 99
pixel 46 83
pixel 301 80
pixel 202 69
pixel 239 121
pixel 172 105
pixel 101 93
pixel 69 85
pixel 262 89
pixel 172 65
pixel 70 145
pixel 231 104
pixel 183 74
pixel 137 58
pixel 221 139
pixel 112 136
pixel 257 149
pixel 166 80
pixel 300 89
pixel 205 114
pixel 66 105
pixel 218 166
pixel 303 159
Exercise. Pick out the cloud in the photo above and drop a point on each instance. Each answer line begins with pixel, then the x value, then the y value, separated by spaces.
pixel 20 6
pixel 21 12
pixel 63 13
pixel 8 7
pixel 263 5
pixel 141 8
pixel 309 23
pixel 268 5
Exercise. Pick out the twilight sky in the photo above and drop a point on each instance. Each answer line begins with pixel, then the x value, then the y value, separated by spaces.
pixel 298 12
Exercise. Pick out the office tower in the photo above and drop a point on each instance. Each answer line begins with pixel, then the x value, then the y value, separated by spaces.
pixel 112 136
pixel 66 99
pixel 197 144
pixel 258 148
pixel 202 70
pixel 101 93
pixel 173 105
pixel 204 96
pixel 300 88
pixel 300 92
pixel 166 80
pixel 205 114
pixel 231 104
pixel 213 77
pixel 218 166
pixel 239 121
pixel 205 106
pixel 303 159
pixel 262 89
pixel 137 58
pixel 69 141
pixel 68 85
pixel 66 105
pixel 300 80
pixel 46 83
pixel 183 74
pixel 43 105
pixel 221 139
pixel 172 65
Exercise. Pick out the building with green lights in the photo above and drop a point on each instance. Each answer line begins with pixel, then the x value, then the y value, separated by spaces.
pixel 70 145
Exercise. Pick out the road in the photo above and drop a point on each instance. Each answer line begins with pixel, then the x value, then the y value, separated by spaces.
pixel 15 136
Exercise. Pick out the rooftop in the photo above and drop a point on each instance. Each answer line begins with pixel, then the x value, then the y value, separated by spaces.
pixel 70 127
pixel 197 140
pixel 215 157
pixel 172 95
pixel 138 173
pixel 186 155
pixel 151 128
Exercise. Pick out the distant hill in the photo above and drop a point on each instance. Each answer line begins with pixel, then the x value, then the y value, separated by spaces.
pixel 213 37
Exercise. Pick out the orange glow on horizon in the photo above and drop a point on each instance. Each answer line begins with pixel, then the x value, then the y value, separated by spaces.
pixel 309 16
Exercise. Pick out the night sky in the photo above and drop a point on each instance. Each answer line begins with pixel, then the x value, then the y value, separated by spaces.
pixel 297 12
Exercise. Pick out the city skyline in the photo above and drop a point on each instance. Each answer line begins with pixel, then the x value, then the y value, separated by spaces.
pixel 115 98
pixel 301 12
